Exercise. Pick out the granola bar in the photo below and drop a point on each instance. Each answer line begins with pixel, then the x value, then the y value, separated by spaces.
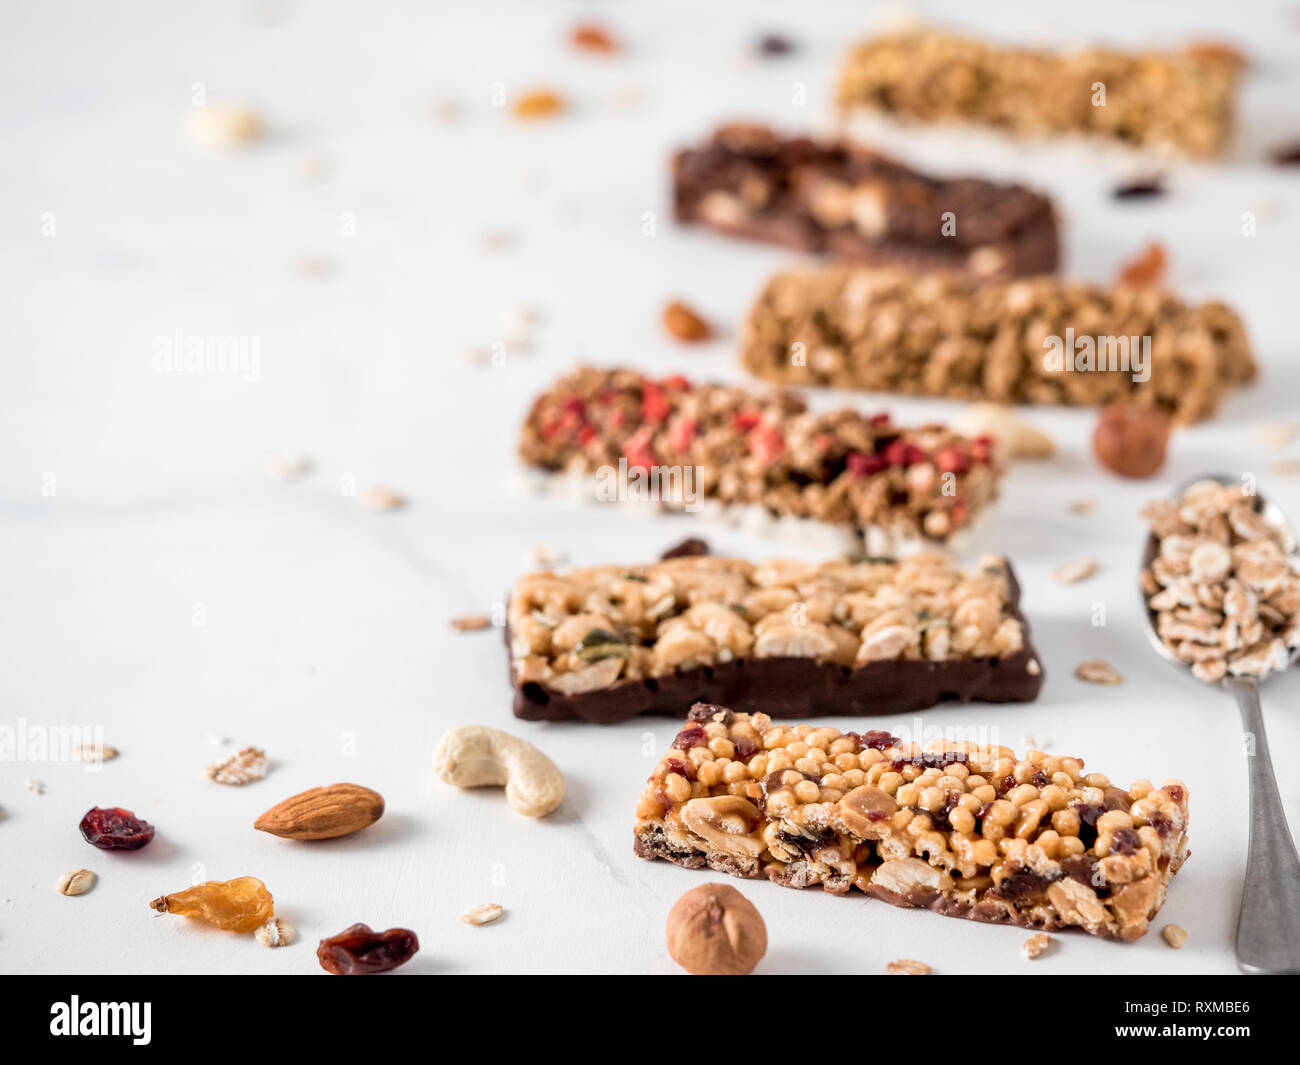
pixel 964 830
pixel 1222 582
pixel 1033 340
pixel 735 448
pixel 844 637
pixel 1176 102
pixel 850 202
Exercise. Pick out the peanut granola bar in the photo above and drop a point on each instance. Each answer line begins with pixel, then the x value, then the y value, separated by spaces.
pixel 1223 582
pixel 1034 340
pixel 846 637
pixel 739 448
pixel 1180 103
pixel 964 830
pixel 848 201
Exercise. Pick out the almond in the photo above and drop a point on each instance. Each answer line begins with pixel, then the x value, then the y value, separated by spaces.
pixel 685 325
pixel 323 813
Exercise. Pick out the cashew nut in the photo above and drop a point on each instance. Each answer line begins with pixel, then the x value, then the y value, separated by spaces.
pixel 475 756
pixel 726 821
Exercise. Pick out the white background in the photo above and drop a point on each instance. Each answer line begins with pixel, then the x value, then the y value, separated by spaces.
pixel 325 637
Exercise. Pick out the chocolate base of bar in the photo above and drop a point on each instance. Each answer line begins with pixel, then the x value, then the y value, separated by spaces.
pixel 651 845
pixel 796 688
pixel 1037 251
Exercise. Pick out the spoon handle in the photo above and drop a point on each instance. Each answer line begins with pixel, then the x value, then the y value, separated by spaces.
pixel 1268 929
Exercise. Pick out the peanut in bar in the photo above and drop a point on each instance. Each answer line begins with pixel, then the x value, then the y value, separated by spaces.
pixel 964 830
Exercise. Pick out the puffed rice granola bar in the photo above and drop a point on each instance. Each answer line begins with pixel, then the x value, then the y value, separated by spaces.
pixel 1180 103
pixel 750 449
pixel 843 637
pixel 945 335
pixel 1222 583
pixel 964 830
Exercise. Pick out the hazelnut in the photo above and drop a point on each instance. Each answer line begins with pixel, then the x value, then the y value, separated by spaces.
pixel 1131 441
pixel 713 930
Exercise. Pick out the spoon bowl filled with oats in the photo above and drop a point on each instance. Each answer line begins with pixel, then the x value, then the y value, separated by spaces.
pixel 1221 588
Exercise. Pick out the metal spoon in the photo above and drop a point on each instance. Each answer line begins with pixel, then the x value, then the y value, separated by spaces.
pixel 1268 927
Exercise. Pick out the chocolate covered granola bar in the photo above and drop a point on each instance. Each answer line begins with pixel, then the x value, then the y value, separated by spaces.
pixel 850 202
pixel 964 830
pixel 1033 340
pixel 846 637
pixel 1176 102
pixel 698 444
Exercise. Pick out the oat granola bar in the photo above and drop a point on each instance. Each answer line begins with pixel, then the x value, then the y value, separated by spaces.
pixel 964 830
pixel 850 202
pixel 845 637
pixel 1180 103
pixel 1221 583
pixel 1033 340
pixel 741 448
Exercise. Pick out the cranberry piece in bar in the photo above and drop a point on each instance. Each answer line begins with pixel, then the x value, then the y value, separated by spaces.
pixel 359 950
pixel 115 829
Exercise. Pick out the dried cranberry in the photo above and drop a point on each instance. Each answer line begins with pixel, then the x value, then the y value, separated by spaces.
pixel 1140 188
pixel 1125 841
pixel 981 449
pixel 1161 823
pixel 744 420
pixel 692 548
pixel 682 769
pixel 901 453
pixel 690 736
pixel 1040 779
pixel 360 949
pixel 745 750
pixel 1174 792
pixel 931 760
pixel 638 451
pixel 586 435
pixel 115 829
pixel 880 419
pixel 766 443
pixel 951 459
pixel 677 381
pixel 705 711
pixel 861 465
pixel 879 740
pixel 1088 814
pixel 654 404
pixel 681 434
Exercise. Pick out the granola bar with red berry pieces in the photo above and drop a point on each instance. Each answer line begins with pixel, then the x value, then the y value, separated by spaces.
pixel 852 203
pixel 1179 103
pixel 963 829
pixel 734 447
pixel 1033 340
pixel 606 643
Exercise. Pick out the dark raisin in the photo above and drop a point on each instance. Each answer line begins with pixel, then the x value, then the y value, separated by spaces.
pixel 1079 867
pixel 879 740
pixel 1141 188
pixel 690 736
pixel 115 829
pixel 706 712
pixel 1040 779
pixel 745 750
pixel 1161 823
pixel 688 548
pixel 774 44
pixel 676 765
pixel 1287 154
pixel 1125 841
pixel 808 844
pixel 360 949
pixel 1023 884
pixel 1088 815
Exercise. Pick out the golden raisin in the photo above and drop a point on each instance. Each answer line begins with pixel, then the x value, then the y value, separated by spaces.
pixel 539 104
pixel 239 905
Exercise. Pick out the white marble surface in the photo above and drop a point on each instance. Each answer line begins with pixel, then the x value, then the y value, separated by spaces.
pixel 157 585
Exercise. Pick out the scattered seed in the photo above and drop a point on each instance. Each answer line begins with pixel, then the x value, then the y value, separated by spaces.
pixel 1146 269
pixel 94 752
pixel 483 913
pixel 1275 434
pixel 77 882
pixel 689 548
pixel 1145 187
pixel 217 741
pixel 1174 935
pixel 277 932
pixel 496 240
pixel 34 786
pixel 541 103
pixel 546 557
pixel 381 499
pixel 471 623
pixel 1036 946
pixel 685 325
pixel 1287 154
pixel 313 266
pixel 1082 507
pixel 313 168
pixel 224 126
pixel 287 467
pixel 1074 572
pixel 907 967
pixel 243 767
pixel 590 37
pixel 445 109
pixel 1095 671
